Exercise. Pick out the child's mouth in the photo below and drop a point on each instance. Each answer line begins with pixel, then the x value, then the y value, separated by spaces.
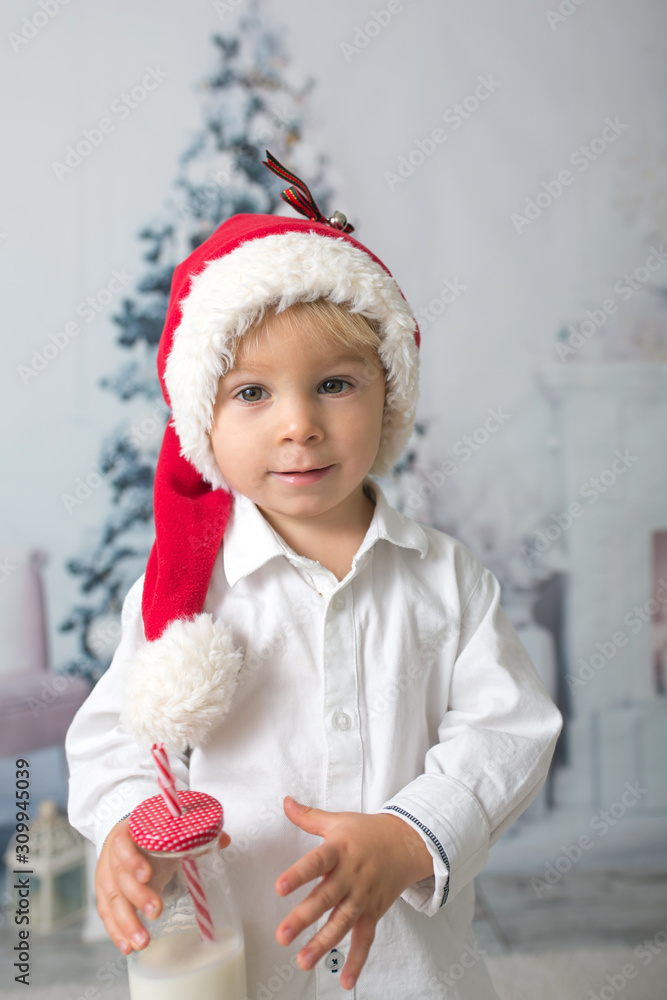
pixel 303 478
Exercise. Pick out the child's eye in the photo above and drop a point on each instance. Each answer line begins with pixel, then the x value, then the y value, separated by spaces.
pixel 329 381
pixel 241 394
pixel 249 388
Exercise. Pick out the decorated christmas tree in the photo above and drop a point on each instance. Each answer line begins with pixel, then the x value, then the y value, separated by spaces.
pixel 252 101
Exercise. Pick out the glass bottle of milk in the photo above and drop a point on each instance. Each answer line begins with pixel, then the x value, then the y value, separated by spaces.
pixel 181 959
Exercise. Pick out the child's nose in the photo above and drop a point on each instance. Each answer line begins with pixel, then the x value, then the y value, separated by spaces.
pixel 299 418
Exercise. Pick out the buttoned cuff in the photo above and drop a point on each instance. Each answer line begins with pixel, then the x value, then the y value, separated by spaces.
pixel 454 827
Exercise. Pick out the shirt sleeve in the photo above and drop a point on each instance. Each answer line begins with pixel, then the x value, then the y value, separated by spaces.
pixel 496 742
pixel 109 774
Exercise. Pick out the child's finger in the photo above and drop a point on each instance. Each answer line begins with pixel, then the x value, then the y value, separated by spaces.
pixel 125 918
pixel 119 896
pixel 319 861
pixel 115 934
pixel 312 820
pixel 342 918
pixel 323 897
pixel 125 854
pixel 113 885
pixel 118 916
pixel 141 896
pixel 363 935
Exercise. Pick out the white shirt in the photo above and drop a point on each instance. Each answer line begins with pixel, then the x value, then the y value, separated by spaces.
pixel 401 688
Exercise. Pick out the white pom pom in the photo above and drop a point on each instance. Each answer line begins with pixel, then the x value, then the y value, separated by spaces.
pixel 182 684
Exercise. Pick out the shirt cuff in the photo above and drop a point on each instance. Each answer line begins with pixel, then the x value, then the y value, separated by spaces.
pixel 110 811
pixel 95 815
pixel 454 827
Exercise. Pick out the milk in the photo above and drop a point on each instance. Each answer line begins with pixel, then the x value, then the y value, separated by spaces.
pixel 179 966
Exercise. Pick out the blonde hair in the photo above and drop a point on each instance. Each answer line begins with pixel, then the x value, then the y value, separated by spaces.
pixel 325 322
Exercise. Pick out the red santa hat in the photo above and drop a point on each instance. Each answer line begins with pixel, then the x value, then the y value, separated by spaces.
pixel 183 680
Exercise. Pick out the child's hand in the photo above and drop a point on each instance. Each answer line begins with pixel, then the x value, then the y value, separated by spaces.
pixel 120 887
pixel 366 862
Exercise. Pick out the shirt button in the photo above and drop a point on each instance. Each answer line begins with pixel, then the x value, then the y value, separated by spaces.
pixel 342 720
pixel 334 960
pixel 338 602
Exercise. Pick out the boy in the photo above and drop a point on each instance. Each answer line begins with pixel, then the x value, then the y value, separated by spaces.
pixel 382 685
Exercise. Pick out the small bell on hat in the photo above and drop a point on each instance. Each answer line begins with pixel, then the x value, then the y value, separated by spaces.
pixel 182 682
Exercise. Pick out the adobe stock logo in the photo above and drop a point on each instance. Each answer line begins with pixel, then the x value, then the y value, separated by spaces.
pixel 635 619
pixel 595 319
pixel 31 26
pixel 364 35
pixel 87 309
pixel 566 8
pixel 466 447
pixel 644 952
pixel 600 824
pixel 454 116
pixel 553 189
pixel 449 293
pixel 122 107
pixel 592 489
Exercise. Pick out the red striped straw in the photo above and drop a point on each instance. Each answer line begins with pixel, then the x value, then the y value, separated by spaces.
pixel 165 780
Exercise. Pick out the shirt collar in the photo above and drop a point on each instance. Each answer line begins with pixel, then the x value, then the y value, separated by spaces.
pixel 250 541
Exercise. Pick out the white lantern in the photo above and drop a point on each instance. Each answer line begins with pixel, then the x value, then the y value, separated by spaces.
pixel 56 869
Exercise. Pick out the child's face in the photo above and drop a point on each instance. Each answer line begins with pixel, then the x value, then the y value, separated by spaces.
pixel 289 405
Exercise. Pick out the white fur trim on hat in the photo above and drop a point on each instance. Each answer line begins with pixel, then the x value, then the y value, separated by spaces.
pixel 180 685
pixel 231 293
